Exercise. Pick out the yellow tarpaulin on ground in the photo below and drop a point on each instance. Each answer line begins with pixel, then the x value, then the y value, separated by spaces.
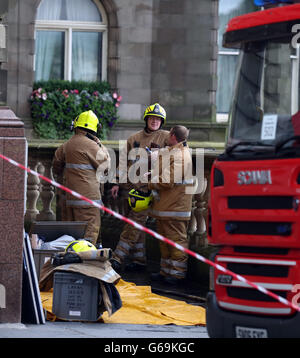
pixel 141 306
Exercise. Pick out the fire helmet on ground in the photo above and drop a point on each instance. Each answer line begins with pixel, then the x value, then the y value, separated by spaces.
pixel 156 110
pixel 139 201
pixel 87 120
pixel 80 246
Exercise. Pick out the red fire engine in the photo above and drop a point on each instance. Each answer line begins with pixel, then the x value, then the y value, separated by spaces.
pixel 254 207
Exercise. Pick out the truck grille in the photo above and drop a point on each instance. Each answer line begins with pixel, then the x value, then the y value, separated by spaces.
pixel 252 294
pixel 260 202
pixel 258 228
pixel 238 295
pixel 247 269
pixel 261 250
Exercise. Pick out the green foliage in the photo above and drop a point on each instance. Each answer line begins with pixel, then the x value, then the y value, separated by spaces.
pixel 53 85
pixel 55 104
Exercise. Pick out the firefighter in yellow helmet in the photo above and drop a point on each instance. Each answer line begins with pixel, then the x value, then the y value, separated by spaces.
pixel 79 160
pixel 131 245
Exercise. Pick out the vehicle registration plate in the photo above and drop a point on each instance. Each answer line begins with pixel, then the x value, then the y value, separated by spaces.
pixel 247 332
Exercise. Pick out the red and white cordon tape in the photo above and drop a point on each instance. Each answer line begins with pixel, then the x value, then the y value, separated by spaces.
pixel 156 235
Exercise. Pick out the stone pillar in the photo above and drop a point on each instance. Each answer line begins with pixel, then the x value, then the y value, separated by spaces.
pixel 13 144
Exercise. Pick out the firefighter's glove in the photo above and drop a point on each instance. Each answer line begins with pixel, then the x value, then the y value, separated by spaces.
pixel 65 258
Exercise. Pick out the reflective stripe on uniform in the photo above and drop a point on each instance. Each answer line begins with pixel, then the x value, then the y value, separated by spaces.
pixel 139 245
pixel 164 269
pixel 180 214
pixel 138 254
pixel 164 265
pixel 108 276
pixel 79 166
pixel 82 202
pixel 172 272
pixel 124 245
pixel 165 261
pixel 186 182
pixel 179 274
pixel 169 267
pixel 178 263
pixel 120 253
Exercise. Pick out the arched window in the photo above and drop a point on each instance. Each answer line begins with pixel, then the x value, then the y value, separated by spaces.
pixel 71 40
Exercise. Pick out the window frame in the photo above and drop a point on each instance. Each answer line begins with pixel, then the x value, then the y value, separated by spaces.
pixel 223 117
pixel 83 26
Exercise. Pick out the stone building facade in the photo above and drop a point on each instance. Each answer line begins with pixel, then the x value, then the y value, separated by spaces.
pixel 157 51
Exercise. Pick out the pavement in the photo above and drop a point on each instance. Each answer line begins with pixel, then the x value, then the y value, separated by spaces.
pixel 189 293
pixel 100 330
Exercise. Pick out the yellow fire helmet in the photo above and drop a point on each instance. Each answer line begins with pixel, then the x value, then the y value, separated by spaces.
pixel 139 201
pixel 80 246
pixel 87 120
pixel 156 110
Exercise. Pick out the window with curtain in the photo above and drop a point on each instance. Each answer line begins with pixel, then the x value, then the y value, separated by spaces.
pixel 71 40
pixel 227 59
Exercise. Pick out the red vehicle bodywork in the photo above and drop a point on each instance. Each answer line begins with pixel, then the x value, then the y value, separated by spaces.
pixel 254 220
pixel 257 226
pixel 274 15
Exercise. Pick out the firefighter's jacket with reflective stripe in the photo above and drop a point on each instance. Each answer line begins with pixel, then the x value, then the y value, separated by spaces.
pixel 82 159
pixel 172 184
pixel 131 159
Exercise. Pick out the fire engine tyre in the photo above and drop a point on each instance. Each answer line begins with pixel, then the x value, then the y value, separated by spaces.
pixel 221 323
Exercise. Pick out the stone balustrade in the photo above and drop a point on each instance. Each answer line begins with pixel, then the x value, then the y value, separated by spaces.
pixel 43 198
